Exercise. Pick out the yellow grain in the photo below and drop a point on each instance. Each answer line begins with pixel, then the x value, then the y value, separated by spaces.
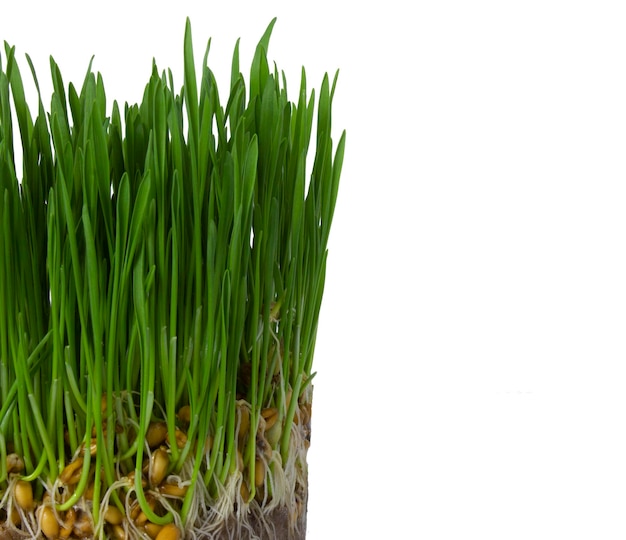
pixel 71 473
pixel 141 518
pixel 152 529
pixel 245 492
pixel 68 525
pixel 134 510
pixel 103 404
pixel 173 490
pixel 156 434
pixel 244 423
pixel 239 460
pixel 272 436
pixel 24 495
pixel 159 463
pixel 117 532
pixel 269 412
pixel 181 438
pixel 270 421
pixel 15 463
pixel 169 532
pixel 89 491
pixel 113 515
pixel 259 472
pixel 48 522
pixel 15 516
pixel 184 414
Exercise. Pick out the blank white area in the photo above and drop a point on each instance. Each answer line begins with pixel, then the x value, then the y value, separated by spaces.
pixel 471 350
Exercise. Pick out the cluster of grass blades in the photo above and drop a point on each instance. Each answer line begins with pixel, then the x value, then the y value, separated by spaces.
pixel 161 275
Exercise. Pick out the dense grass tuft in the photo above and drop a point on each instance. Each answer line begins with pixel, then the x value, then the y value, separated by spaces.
pixel 156 258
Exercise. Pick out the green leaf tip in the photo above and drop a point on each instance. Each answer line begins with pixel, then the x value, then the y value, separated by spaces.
pixel 265 39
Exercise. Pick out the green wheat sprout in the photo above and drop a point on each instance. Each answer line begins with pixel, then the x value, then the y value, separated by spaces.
pixel 162 267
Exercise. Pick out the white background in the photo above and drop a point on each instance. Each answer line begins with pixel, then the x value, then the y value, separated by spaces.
pixel 472 342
